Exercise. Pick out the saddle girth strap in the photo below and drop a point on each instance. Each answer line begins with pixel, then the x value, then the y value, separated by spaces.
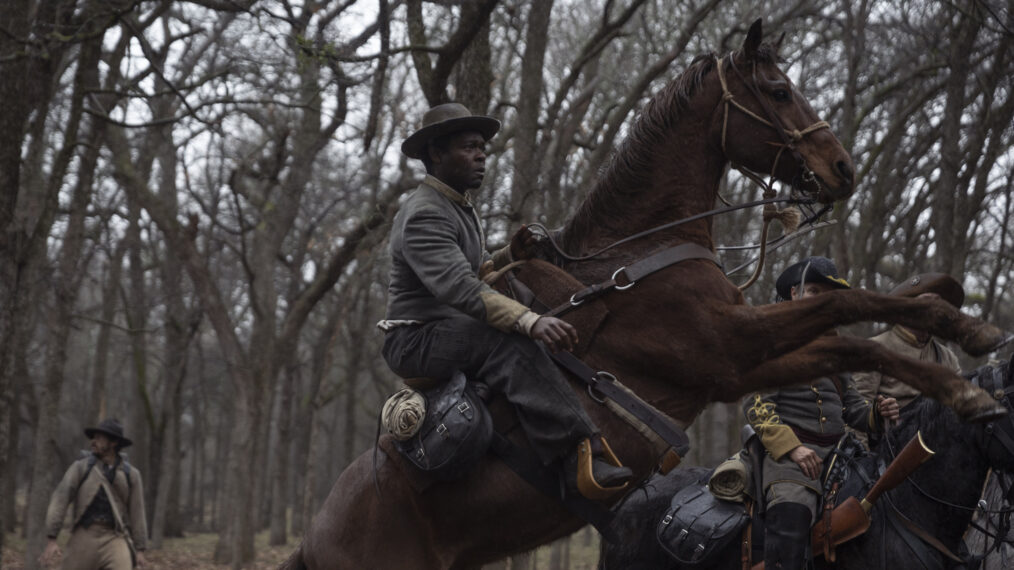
pixel 625 277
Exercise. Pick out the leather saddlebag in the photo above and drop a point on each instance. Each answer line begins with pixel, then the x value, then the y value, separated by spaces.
pixel 454 435
pixel 697 526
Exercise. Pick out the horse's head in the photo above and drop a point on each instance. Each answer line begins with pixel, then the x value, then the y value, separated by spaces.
pixel 764 124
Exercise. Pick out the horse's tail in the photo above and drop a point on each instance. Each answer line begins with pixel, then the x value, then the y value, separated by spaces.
pixel 295 561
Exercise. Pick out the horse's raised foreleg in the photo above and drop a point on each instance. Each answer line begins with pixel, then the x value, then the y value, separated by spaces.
pixel 828 355
pixel 794 323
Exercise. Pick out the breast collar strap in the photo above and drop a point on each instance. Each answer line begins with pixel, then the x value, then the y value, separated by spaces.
pixel 625 277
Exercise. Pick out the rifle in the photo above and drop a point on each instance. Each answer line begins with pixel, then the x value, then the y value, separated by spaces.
pixel 852 517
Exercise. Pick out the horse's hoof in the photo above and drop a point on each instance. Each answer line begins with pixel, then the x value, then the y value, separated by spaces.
pixel 975 405
pixel 987 415
pixel 985 340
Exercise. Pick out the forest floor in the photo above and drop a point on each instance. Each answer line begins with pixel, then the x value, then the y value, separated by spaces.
pixel 195 550
pixel 192 552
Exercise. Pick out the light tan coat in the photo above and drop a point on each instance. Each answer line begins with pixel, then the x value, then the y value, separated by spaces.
pixel 129 499
pixel 900 340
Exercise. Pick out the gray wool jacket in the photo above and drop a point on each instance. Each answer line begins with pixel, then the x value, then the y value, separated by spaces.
pixel 816 407
pixel 437 256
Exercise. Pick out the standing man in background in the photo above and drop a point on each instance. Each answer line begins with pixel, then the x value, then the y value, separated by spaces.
pixel 109 527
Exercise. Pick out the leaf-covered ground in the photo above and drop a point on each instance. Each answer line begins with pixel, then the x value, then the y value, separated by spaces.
pixel 193 552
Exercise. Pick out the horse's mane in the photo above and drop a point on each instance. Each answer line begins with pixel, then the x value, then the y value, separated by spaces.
pixel 630 162
pixel 924 414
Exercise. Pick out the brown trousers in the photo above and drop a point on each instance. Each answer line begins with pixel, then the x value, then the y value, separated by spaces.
pixel 96 548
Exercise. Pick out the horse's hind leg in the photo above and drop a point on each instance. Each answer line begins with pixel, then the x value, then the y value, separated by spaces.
pixel 828 355
pixel 794 323
pixel 359 528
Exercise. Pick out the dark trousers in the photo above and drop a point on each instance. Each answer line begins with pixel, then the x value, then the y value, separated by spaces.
pixel 509 363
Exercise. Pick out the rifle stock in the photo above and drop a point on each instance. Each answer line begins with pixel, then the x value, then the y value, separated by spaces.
pixel 851 518
pixel 914 454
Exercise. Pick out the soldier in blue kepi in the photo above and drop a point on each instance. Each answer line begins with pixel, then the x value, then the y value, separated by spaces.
pixel 799 425
pixel 442 317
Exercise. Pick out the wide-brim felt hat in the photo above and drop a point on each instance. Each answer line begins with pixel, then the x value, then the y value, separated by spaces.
pixel 940 283
pixel 814 269
pixel 112 428
pixel 444 119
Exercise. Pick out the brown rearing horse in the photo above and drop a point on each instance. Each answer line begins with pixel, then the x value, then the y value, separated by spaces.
pixel 681 338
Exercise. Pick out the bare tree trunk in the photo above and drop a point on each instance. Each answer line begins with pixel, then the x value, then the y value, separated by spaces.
pixel 235 544
pixel 301 446
pixel 283 459
pixel 24 90
pixel 473 76
pixel 108 314
pixel 943 215
pixel 998 261
pixel 219 498
pixel 320 362
pixel 169 467
pixel 526 169
pixel 313 458
pixel 66 286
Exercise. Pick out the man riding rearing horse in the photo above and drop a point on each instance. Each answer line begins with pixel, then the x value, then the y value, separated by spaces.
pixel 441 316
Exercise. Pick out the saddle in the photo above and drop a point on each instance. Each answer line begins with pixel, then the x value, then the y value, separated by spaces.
pixel 556 287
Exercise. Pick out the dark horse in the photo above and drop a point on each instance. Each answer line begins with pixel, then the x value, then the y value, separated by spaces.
pixel 680 339
pixel 940 496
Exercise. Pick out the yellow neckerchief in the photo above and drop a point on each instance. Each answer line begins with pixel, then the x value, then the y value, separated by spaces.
pixel 909 337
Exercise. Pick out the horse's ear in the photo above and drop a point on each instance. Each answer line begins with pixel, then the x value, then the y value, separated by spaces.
pixel 753 40
pixel 778 44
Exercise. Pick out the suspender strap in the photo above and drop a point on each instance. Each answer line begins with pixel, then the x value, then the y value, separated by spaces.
pixel 605 384
pixel 121 524
pixel 546 481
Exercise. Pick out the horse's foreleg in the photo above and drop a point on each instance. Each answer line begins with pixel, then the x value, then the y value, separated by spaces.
pixel 828 355
pixel 794 323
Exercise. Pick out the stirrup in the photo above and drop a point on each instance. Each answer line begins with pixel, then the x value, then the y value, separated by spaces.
pixel 586 483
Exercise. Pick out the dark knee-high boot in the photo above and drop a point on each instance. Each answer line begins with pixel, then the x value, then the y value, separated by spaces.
pixel 786 536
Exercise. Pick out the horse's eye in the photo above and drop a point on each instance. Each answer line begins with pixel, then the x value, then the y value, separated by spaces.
pixel 781 95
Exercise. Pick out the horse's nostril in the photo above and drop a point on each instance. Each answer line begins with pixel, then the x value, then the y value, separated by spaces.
pixel 844 170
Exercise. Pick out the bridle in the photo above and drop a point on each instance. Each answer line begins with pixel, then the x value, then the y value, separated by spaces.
pixel 789 137
pixel 789 140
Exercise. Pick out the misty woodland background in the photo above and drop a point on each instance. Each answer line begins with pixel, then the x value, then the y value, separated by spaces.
pixel 194 199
